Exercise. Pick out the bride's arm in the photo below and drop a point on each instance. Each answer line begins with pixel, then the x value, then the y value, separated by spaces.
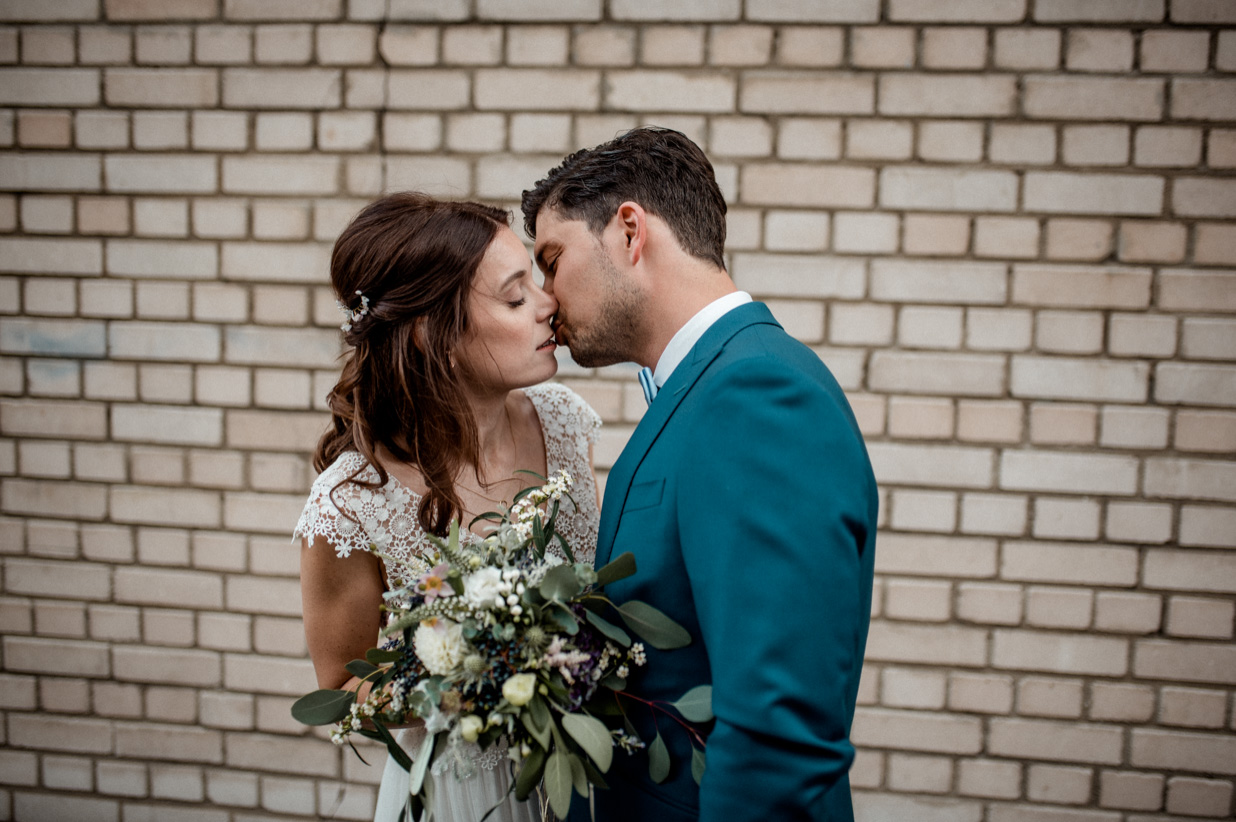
pixel 341 598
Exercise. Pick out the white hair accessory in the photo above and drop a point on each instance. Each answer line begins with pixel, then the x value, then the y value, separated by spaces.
pixel 353 316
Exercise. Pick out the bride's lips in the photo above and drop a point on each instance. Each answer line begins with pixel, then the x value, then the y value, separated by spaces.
pixel 549 344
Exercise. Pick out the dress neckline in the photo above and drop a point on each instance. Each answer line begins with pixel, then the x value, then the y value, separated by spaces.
pixel 549 471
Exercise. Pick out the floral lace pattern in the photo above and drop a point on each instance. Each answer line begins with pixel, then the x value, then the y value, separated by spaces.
pixel 387 517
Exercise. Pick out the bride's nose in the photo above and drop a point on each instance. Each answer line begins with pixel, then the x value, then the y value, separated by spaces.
pixel 547 306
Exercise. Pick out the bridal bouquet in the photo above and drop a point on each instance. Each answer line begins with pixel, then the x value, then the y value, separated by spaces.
pixel 501 639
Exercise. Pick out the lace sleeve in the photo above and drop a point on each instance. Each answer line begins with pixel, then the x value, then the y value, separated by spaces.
pixel 335 517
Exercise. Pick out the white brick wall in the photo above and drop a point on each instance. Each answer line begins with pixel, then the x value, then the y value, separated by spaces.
pixel 1006 225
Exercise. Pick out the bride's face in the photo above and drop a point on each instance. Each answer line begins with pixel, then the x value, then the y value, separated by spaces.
pixel 509 343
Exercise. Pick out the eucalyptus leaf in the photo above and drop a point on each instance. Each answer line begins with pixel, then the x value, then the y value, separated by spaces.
pixel 322 707
pixel 594 776
pixel 620 567
pixel 652 626
pixel 566 619
pixel 530 774
pixel 376 656
pixel 558 782
pixel 397 753
pixel 539 712
pixel 696 704
pixel 697 764
pixel 579 778
pixel 592 736
pixel 658 760
pixel 560 583
pixel 416 776
pixel 360 668
pixel 614 682
pixel 540 734
pixel 608 628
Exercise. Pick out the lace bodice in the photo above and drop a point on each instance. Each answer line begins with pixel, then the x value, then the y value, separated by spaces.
pixel 387 517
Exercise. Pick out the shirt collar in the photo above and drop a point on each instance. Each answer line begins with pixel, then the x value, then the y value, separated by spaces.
pixel 686 338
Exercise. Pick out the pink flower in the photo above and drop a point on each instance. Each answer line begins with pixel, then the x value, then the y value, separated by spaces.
pixel 434 585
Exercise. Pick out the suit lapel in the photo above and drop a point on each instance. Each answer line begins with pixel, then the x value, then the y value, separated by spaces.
pixel 671 395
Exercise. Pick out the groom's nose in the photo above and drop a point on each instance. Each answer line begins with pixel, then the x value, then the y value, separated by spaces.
pixel 548 306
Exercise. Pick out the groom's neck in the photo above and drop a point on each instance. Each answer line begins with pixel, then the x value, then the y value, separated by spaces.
pixel 679 290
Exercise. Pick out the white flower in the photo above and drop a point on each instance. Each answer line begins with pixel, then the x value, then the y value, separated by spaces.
pixel 470 727
pixel 440 650
pixel 481 587
pixel 519 689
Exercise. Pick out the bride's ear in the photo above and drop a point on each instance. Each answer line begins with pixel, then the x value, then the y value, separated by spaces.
pixel 633 222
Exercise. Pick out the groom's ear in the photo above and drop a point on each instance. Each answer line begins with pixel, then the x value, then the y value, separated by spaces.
pixel 633 222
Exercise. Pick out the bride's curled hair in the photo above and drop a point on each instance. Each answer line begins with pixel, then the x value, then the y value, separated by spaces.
pixel 414 259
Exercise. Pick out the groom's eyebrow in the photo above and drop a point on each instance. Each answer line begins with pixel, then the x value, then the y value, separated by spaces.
pixel 540 255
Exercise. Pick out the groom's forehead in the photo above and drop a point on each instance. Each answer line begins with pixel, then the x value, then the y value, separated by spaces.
pixel 553 231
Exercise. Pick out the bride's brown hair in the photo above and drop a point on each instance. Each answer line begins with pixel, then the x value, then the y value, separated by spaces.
pixel 414 259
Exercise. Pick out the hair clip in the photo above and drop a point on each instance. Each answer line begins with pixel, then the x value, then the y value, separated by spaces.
pixel 353 316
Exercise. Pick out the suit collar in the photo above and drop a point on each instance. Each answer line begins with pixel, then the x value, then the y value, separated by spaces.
pixel 670 396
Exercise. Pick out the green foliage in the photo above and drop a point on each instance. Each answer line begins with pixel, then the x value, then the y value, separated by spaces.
pixel 652 626
pixel 530 774
pixel 620 567
pixel 608 628
pixel 696 704
pixel 417 773
pixel 376 656
pixel 322 707
pixel 698 763
pixel 658 760
pixel 558 782
pixel 560 584
pixel 361 669
pixel 591 735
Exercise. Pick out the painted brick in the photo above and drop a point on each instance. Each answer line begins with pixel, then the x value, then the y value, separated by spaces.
pixel 1069 193
pixel 165 506
pixel 1065 472
pixel 807 185
pixel 935 373
pixel 1102 98
pixel 1055 741
pixel 161 87
pixel 1177 750
pixel 795 93
pixel 947 95
pixel 162 174
pixel 916 731
pixel 1195 384
pixel 1076 379
pixel 574 90
pixel 932 189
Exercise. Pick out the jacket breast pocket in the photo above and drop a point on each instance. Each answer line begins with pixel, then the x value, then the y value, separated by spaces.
pixel 644 495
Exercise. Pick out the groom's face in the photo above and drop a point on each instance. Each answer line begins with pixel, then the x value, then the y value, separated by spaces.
pixel 599 310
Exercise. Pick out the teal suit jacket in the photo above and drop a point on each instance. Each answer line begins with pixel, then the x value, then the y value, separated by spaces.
pixel 748 500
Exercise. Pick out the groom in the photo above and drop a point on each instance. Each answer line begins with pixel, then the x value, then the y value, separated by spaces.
pixel 745 493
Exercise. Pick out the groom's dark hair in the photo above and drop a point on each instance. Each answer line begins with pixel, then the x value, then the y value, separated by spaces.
pixel 658 168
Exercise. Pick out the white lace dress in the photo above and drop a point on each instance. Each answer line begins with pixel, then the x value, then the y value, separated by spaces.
pixel 387 518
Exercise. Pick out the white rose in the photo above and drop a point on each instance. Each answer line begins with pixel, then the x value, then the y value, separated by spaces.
pixel 470 727
pixel 518 690
pixel 441 650
pixel 481 587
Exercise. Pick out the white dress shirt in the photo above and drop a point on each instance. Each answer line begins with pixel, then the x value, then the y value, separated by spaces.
pixel 686 338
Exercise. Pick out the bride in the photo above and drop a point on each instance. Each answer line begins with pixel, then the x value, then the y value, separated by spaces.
pixel 441 401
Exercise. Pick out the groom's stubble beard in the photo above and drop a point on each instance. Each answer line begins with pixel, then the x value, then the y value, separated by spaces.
pixel 616 330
